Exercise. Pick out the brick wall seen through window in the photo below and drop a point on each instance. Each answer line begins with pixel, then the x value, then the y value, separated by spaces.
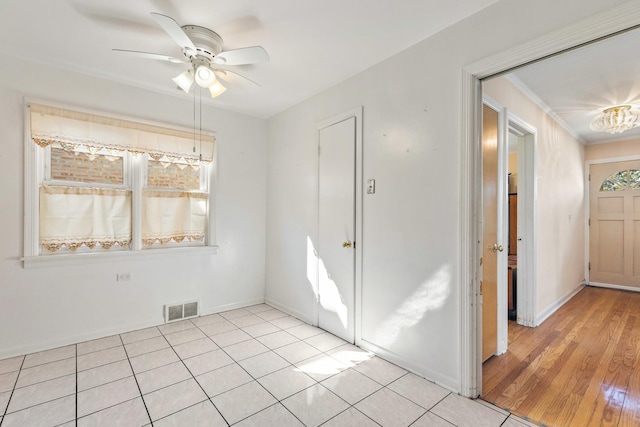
pixel 174 175
pixel 82 167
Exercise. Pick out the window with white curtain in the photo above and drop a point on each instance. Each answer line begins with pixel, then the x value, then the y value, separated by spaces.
pixel 95 183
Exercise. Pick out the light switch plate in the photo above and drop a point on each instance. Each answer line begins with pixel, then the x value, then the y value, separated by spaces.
pixel 371 186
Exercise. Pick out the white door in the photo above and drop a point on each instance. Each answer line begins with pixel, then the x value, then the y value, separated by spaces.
pixel 337 240
pixel 614 231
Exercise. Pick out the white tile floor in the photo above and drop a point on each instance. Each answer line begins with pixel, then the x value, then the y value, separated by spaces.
pixel 254 366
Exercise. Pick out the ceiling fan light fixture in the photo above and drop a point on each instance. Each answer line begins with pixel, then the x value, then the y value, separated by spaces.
pixel 216 89
pixel 205 76
pixel 616 119
pixel 184 80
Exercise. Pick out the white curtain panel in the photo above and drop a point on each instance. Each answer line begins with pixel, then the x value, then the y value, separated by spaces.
pixel 173 216
pixel 77 216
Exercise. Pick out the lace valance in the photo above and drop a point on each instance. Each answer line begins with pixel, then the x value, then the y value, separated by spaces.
pixel 73 130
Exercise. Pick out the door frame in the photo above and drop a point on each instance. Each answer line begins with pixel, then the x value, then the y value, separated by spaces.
pixel 526 288
pixel 358 237
pixel 587 215
pixel 601 25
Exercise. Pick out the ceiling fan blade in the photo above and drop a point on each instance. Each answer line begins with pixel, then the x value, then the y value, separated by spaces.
pixel 147 55
pixel 233 77
pixel 173 29
pixel 242 56
pixel 110 18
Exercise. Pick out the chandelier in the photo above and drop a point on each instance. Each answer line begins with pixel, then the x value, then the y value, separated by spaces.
pixel 616 119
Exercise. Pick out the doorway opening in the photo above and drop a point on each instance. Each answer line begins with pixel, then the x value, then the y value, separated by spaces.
pixel 508 225
pixel 598 27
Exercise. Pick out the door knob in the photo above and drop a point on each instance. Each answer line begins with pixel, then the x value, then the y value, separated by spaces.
pixel 497 248
pixel 346 244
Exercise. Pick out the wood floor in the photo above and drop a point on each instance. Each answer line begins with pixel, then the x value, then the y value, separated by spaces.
pixel 581 367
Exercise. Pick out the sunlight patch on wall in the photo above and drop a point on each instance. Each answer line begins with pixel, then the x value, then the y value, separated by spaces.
pixel 330 297
pixel 312 267
pixel 430 296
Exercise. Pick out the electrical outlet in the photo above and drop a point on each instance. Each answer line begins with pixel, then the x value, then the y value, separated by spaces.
pixel 123 277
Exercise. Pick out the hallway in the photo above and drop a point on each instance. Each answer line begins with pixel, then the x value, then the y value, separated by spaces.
pixel 581 367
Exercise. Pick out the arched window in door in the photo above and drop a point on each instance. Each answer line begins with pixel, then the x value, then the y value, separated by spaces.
pixel 622 180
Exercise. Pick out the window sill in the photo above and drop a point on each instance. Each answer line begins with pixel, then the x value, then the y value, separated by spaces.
pixel 44 261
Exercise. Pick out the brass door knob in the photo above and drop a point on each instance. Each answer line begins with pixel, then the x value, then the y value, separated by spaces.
pixel 346 244
pixel 497 248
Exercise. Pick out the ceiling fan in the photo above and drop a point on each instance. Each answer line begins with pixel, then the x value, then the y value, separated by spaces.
pixel 202 49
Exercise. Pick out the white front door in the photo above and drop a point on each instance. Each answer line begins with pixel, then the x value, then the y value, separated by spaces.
pixel 614 230
pixel 337 240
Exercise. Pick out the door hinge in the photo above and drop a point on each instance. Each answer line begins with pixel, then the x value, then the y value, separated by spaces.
pixel 481 287
pixel 589 222
pixel 589 177
pixel 589 266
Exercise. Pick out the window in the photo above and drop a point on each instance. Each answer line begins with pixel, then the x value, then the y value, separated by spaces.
pixel 97 183
pixel 622 180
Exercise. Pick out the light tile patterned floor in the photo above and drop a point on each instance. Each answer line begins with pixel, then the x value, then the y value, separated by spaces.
pixel 254 366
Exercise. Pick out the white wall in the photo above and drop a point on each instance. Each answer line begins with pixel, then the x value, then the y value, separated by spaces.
pixel 411 138
pixel 629 147
pixel 559 175
pixel 46 307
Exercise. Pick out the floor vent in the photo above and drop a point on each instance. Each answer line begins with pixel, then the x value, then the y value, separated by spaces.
pixel 181 311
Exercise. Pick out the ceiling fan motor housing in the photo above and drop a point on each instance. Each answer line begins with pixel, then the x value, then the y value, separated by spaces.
pixel 207 42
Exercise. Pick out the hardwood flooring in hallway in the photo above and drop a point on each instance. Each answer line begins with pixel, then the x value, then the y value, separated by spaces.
pixel 581 367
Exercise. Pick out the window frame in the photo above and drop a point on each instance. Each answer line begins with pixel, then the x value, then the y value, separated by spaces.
pixel 134 177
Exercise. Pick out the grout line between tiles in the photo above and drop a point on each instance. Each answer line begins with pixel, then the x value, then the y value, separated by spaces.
pixel 435 415
pixel 44 364
pixel 107 382
pixel 194 378
pixel 355 409
pixel 95 351
pixel 4 414
pixel 184 409
pixel 108 407
pixel 254 379
pixel 136 380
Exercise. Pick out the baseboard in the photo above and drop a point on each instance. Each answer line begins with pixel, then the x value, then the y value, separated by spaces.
pixel 293 312
pixel 618 287
pixel 420 370
pixel 544 315
pixel 74 339
pixel 235 305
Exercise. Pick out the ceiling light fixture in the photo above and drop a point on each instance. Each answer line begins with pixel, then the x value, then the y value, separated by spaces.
pixel 616 119
pixel 216 89
pixel 184 80
pixel 204 76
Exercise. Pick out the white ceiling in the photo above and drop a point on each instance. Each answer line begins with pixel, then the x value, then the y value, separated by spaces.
pixel 313 45
pixel 578 84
